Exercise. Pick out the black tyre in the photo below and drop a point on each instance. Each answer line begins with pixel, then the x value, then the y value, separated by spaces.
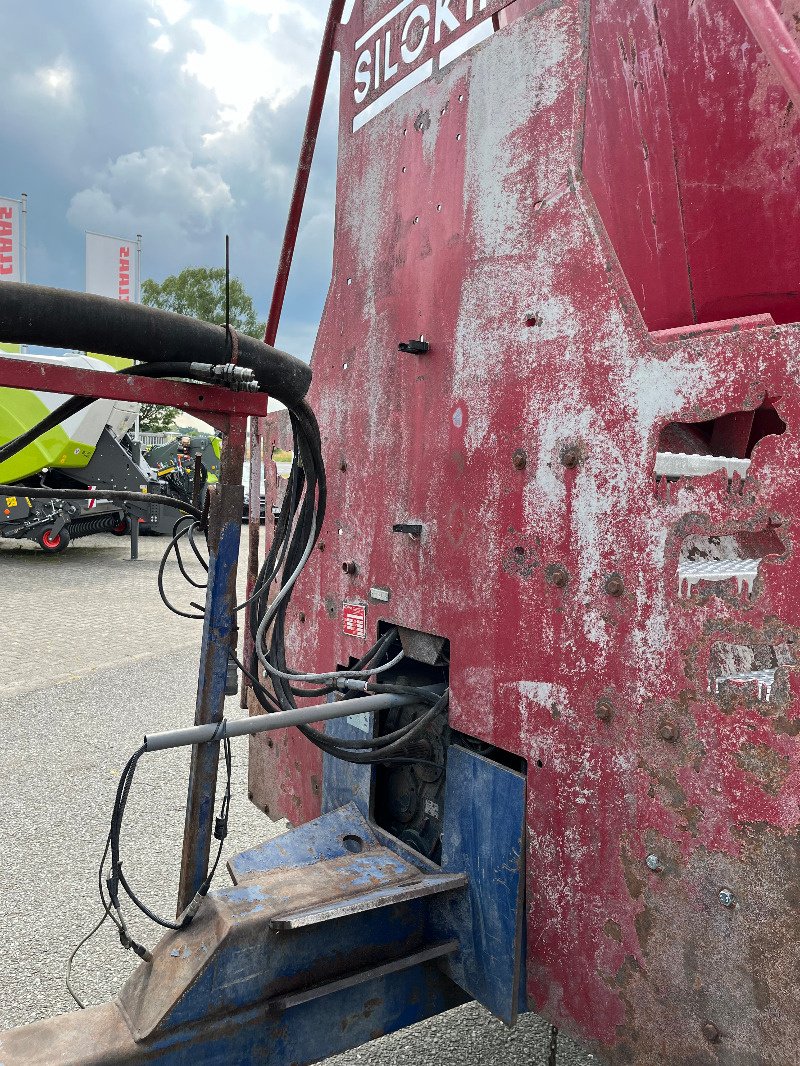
pixel 53 543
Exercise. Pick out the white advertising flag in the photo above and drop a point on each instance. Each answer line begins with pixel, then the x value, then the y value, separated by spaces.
pixel 10 240
pixel 112 267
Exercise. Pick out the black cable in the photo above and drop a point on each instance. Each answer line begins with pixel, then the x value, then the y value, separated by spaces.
pixel 179 558
pixel 299 523
pixel 307 447
pixel 195 549
pixel 46 493
pixel 117 878
pixel 69 407
pixel 160 576
pixel 376 756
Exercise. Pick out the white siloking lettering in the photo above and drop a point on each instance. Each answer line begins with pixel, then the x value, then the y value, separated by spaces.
pixel 389 68
pixel 376 65
pixel 363 76
pixel 409 55
pixel 470 8
pixel 444 16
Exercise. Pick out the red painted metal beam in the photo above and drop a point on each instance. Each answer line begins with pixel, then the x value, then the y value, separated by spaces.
pixel 315 105
pixel 777 42
pixel 71 381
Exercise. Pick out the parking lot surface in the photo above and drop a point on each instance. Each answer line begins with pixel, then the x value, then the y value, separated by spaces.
pixel 91 660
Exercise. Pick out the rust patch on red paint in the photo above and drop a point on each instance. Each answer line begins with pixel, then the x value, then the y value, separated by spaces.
pixel 520 561
pixel 767 765
pixel 691 940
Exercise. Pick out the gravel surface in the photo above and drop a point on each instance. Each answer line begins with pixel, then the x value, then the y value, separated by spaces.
pixel 91 659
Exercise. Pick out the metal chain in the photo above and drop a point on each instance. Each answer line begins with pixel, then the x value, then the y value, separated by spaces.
pixel 552 1048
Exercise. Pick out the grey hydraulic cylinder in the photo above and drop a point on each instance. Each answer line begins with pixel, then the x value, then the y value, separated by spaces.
pixel 262 723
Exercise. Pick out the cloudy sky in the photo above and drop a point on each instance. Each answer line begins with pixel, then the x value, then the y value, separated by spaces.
pixel 177 119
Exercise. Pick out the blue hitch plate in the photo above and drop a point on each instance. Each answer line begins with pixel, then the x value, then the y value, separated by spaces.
pixel 332 934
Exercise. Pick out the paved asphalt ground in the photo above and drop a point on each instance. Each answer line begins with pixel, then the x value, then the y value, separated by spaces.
pixel 90 661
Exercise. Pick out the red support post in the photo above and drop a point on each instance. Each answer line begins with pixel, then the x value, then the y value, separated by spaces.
pixel 257 428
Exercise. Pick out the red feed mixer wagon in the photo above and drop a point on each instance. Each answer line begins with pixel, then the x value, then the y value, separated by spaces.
pixel 557 380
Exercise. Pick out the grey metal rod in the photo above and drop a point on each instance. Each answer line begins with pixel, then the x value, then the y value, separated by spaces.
pixel 262 723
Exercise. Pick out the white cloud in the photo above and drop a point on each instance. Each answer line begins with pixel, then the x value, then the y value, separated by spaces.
pixel 266 49
pixel 141 147
pixel 172 11
pixel 160 193
pixel 56 80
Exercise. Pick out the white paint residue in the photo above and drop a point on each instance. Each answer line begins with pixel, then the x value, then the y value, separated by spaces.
pixel 519 75
pixel 660 387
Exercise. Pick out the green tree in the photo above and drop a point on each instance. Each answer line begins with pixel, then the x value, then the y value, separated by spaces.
pixel 200 293
pixel 153 418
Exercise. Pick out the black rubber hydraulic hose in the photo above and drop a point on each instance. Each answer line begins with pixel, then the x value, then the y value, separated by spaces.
pixel 58 318
pixel 44 492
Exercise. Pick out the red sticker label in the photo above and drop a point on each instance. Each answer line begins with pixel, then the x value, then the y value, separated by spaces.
pixel 354 619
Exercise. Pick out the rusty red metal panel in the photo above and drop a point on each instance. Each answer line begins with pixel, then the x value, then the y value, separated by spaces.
pixel 620 598
pixel 691 157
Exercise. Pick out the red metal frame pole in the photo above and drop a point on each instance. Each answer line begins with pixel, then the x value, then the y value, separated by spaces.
pixel 315 106
pixel 776 41
pixel 257 427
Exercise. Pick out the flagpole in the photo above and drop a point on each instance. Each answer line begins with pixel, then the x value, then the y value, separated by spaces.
pixel 24 251
pixel 24 256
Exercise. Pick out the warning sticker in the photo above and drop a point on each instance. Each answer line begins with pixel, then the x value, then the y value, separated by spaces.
pixel 354 619
pixel 11 501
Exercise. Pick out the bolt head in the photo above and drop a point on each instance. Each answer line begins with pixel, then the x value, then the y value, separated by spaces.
pixel 570 457
pixel 653 862
pixel 604 710
pixel 520 459
pixel 343 465
pixel 614 585
pixel 668 731
pixel 727 898
pixel 560 578
pixel 349 567
pixel 710 1032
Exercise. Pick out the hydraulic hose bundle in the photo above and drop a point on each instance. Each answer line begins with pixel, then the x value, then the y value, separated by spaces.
pixel 298 529
pixel 159 340
pixel 56 318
